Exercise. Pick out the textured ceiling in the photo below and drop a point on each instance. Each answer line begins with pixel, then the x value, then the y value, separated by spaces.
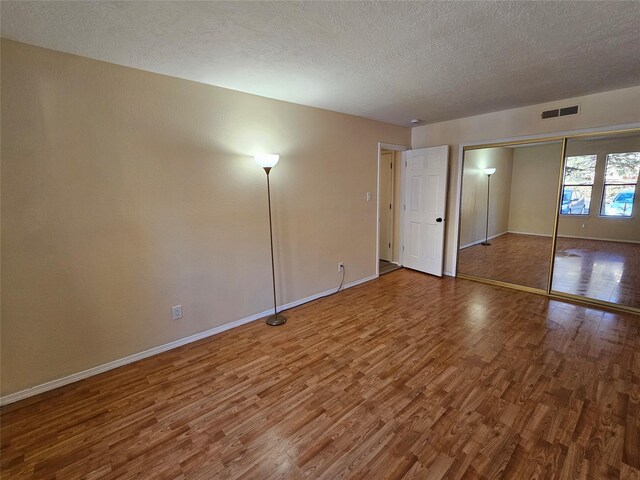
pixel 390 61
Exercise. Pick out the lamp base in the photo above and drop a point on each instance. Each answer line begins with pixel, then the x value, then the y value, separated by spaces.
pixel 277 319
pixel 486 244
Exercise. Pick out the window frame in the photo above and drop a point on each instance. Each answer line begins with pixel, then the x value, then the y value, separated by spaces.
pixel 590 185
pixel 604 189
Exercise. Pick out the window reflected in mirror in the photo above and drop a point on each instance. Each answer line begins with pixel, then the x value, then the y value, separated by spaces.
pixel 598 250
pixel 579 174
pixel 620 182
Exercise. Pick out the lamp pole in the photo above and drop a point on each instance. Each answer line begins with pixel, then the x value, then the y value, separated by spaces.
pixel 276 318
pixel 268 161
pixel 488 172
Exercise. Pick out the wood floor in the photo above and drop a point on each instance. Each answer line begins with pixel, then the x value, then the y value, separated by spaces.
pixel 608 271
pixel 603 270
pixel 511 258
pixel 386 267
pixel 407 376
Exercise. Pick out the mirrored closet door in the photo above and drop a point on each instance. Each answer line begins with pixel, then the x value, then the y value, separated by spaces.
pixel 597 252
pixel 508 213
pixel 557 216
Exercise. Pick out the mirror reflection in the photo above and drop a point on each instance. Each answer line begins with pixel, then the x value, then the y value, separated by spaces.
pixel 508 210
pixel 598 246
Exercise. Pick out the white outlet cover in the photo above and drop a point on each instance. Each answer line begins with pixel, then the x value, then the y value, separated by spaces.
pixel 176 312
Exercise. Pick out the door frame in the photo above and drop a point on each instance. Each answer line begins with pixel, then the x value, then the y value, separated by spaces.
pixel 395 148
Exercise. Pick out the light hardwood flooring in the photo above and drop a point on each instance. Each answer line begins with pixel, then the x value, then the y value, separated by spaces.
pixel 603 270
pixel 407 376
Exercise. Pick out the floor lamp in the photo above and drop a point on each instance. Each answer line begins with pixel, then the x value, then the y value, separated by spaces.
pixel 488 172
pixel 268 161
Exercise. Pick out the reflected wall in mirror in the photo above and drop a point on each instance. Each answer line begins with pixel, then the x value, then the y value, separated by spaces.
pixel 521 209
pixel 598 245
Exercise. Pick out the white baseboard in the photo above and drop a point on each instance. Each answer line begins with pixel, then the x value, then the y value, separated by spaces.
pixel 391 261
pixel 598 238
pixel 44 387
pixel 577 236
pixel 531 233
pixel 476 242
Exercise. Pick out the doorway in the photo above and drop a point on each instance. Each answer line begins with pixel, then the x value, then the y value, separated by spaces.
pixel 388 202
pixel 385 206
pixel 411 206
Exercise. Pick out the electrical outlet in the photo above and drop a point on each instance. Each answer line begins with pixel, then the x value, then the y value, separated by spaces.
pixel 340 267
pixel 176 312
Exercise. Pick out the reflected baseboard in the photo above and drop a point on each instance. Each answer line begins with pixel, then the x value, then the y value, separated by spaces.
pixel 531 233
pixel 478 242
pixel 601 239
pixel 571 236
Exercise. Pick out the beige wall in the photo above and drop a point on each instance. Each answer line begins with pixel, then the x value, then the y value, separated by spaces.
pixel 600 110
pixel 125 192
pixel 534 188
pixel 474 198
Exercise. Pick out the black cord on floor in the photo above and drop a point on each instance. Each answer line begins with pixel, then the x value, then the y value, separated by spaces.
pixel 344 271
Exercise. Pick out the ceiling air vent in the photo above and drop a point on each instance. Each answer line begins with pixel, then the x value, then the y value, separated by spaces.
pixel 561 112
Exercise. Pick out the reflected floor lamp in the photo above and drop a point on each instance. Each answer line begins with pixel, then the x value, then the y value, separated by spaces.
pixel 268 161
pixel 488 171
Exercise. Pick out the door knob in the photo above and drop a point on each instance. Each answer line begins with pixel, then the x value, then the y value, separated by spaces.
pixel 438 219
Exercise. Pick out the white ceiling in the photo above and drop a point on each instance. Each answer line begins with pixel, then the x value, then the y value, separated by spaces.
pixel 390 61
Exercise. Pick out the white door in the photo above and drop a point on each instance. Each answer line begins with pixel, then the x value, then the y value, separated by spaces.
pixel 386 210
pixel 425 195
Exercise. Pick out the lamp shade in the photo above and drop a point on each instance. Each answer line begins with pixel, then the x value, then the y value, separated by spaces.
pixel 267 160
pixel 489 171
